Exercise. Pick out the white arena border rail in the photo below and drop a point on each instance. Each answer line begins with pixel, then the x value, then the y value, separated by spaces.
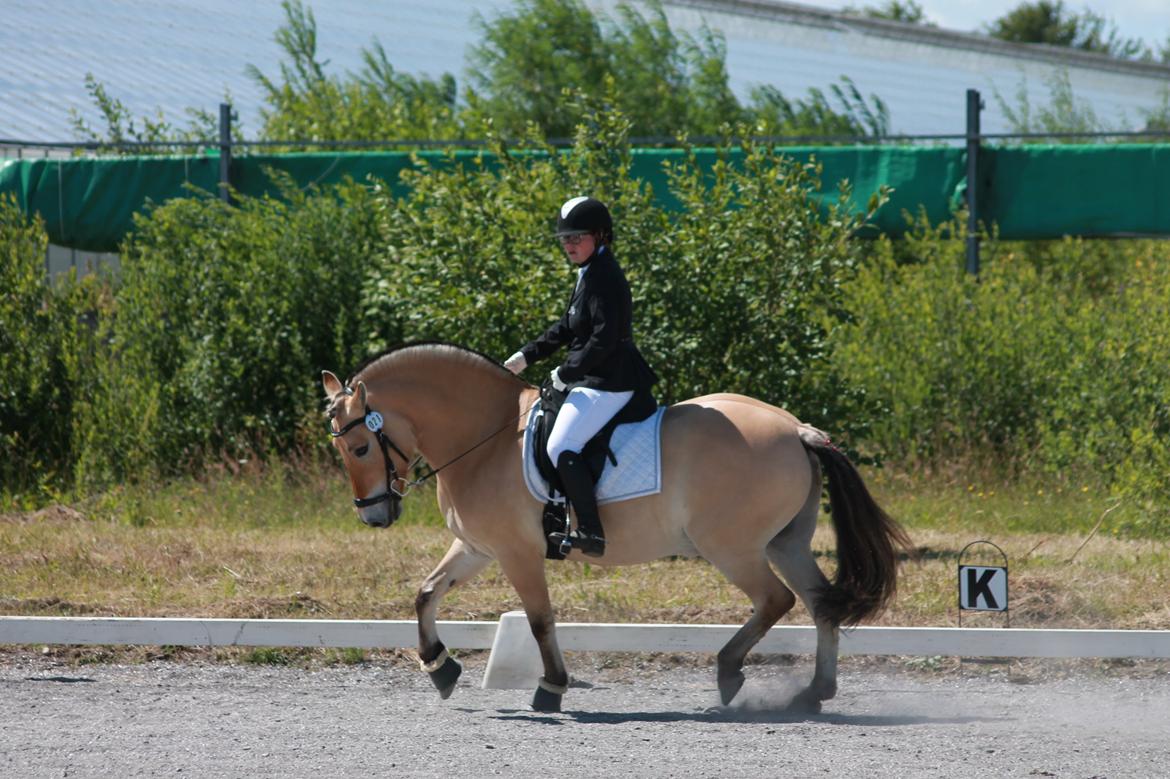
pixel 514 660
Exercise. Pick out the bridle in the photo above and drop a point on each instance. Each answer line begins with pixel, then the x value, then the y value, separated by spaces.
pixel 374 423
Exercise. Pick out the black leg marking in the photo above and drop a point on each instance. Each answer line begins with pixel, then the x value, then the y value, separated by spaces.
pixel 729 685
pixel 444 679
pixel 444 671
pixel 548 696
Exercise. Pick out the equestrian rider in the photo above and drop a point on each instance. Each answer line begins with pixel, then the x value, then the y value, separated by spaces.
pixel 603 369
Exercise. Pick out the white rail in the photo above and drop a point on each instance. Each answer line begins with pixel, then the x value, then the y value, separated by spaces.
pixel 364 634
pixel 513 660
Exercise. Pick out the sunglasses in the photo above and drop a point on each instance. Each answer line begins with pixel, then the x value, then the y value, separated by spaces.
pixel 572 240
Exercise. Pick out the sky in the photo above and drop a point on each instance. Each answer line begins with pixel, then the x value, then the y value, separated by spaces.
pixel 1145 19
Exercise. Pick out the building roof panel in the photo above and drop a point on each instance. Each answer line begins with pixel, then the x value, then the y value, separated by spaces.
pixel 172 55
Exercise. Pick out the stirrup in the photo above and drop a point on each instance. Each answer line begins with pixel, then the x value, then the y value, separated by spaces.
pixel 589 544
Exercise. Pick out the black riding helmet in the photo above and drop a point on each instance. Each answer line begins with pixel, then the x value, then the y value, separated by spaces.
pixel 585 215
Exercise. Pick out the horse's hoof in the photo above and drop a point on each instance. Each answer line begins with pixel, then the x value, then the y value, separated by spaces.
pixel 806 702
pixel 823 691
pixel 548 695
pixel 445 677
pixel 546 701
pixel 729 686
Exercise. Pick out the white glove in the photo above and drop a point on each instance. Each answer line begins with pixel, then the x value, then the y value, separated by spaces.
pixel 516 363
pixel 558 385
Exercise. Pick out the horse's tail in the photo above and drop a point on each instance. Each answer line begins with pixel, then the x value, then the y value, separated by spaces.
pixel 868 542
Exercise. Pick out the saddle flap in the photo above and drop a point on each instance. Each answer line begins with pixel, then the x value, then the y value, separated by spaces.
pixel 597 451
pixel 636 447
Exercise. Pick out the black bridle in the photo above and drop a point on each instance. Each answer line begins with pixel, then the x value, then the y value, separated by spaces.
pixel 374 423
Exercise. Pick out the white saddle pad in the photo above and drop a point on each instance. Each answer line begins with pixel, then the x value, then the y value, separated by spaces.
pixel 637 447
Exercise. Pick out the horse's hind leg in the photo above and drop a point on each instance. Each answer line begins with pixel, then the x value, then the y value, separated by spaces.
pixel 791 552
pixel 771 599
pixel 457 566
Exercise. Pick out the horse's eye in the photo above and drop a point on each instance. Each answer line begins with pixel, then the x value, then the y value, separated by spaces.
pixel 361 450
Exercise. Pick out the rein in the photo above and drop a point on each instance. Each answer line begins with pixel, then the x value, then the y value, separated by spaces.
pixel 374 423
pixel 435 471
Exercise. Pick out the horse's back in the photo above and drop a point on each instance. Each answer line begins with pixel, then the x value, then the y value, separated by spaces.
pixel 734 418
pixel 733 456
pixel 734 474
pixel 774 419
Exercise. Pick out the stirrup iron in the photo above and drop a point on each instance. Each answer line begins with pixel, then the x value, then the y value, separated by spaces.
pixel 564 539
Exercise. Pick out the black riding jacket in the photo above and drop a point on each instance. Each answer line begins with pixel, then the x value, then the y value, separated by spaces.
pixel 597 328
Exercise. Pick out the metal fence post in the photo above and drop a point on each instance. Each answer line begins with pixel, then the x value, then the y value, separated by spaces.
pixel 225 151
pixel 974 105
pixel 49 246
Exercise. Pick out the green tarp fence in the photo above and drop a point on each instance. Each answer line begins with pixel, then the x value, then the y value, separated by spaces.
pixel 1028 192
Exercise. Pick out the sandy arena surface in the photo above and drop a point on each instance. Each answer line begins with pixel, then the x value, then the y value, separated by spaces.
pixel 384 719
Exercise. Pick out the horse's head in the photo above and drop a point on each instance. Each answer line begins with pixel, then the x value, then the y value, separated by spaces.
pixel 373 444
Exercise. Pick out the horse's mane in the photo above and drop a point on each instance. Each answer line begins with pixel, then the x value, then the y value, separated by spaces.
pixel 460 352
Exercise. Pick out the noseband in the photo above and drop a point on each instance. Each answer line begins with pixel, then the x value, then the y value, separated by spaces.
pixel 373 422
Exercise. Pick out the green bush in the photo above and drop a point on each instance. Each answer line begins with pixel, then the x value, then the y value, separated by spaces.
pixel 1052 364
pixel 46 346
pixel 224 318
pixel 470 254
pixel 730 293
pixel 745 284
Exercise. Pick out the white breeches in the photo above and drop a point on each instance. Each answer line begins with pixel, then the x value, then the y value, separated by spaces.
pixel 584 413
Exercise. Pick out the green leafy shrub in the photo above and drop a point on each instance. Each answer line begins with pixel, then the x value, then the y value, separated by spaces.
pixel 46 348
pixel 224 319
pixel 746 282
pixel 1052 364
pixel 470 254
pixel 730 293
pixel 379 102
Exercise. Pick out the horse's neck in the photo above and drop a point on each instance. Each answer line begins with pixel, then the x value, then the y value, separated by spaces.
pixel 451 406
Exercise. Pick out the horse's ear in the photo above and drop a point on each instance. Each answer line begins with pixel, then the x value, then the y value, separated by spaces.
pixel 331 383
pixel 361 393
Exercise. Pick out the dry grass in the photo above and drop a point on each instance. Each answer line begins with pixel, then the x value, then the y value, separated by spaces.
pixel 271 544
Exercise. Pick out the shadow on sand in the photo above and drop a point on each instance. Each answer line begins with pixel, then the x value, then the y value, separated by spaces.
pixel 734 715
pixel 764 705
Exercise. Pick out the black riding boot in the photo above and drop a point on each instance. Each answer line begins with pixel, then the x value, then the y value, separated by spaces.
pixel 578 484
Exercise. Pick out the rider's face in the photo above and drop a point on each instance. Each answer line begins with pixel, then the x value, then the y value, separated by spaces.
pixel 578 247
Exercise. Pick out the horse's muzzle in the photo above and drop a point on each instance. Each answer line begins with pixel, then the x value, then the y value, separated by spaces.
pixel 382 514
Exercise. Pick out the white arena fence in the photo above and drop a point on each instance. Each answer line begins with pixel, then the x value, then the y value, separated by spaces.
pixel 514 661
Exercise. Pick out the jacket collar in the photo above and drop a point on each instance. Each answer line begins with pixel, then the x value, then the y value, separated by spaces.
pixel 600 254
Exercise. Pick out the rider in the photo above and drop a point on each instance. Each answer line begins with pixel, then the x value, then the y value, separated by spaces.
pixel 603 367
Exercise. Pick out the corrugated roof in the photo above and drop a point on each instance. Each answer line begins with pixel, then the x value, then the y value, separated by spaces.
pixel 921 72
pixel 178 54
pixel 181 53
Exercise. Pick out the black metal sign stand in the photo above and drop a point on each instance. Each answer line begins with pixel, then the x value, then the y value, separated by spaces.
pixel 979 581
pixel 983 585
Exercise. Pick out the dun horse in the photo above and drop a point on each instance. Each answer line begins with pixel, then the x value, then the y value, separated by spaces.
pixel 741 487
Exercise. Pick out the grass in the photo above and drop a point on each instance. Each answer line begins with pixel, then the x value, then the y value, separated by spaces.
pixel 281 542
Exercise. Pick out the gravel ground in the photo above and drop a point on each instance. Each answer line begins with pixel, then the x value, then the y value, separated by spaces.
pixel 383 719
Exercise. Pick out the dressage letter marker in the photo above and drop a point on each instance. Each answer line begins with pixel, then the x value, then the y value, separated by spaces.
pixel 982 588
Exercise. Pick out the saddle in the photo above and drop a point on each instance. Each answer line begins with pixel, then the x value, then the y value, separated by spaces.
pixel 595 453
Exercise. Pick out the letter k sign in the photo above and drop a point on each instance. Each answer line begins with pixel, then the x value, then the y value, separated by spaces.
pixel 982 589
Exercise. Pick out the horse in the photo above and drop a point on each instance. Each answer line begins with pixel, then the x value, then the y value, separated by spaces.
pixel 741 488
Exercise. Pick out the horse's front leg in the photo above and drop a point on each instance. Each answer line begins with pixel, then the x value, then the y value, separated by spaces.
pixel 526 573
pixel 458 565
